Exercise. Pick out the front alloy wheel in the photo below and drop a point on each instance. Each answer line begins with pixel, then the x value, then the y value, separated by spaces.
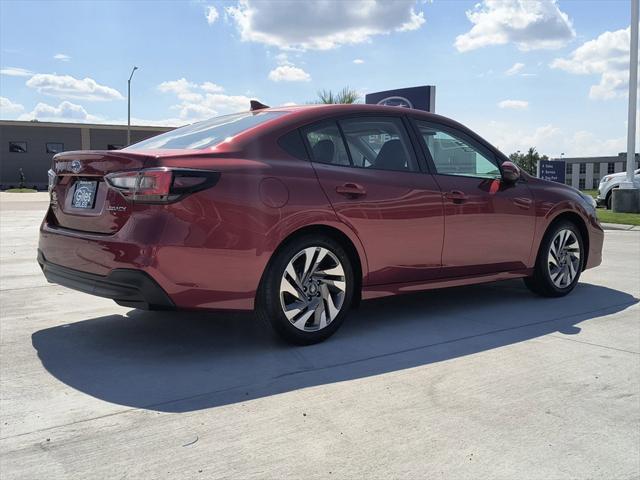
pixel 564 258
pixel 560 261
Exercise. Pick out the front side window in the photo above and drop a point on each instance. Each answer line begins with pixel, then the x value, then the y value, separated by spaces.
pixel 18 147
pixel 54 147
pixel 454 156
pixel 206 134
pixel 379 142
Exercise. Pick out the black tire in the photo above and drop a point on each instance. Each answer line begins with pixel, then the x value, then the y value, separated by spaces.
pixel 609 200
pixel 268 305
pixel 541 282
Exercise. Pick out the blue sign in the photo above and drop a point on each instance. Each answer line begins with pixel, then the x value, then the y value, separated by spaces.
pixel 553 170
pixel 420 98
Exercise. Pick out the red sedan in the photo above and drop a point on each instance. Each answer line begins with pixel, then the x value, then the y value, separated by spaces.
pixel 301 212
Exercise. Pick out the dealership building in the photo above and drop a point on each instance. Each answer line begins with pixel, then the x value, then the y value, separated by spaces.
pixel 585 172
pixel 30 146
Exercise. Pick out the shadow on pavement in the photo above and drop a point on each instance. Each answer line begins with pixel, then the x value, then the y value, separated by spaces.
pixel 178 362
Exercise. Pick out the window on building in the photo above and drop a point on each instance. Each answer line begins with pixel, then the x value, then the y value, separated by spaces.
pixel 611 167
pixel 583 168
pixel 112 146
pixel 54 147
pixel 596 169
pixel 581 184
pixel 569 168
pixel 595 183
pixel 18 147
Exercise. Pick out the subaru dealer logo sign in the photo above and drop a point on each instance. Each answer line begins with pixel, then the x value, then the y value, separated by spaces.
pixel 76 166
pixel 420 98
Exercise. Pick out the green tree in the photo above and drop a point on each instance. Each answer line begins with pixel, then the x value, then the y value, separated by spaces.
pixel 346 95
pixel 528 161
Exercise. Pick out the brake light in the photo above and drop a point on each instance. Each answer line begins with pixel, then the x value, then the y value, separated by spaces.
pixel 161 185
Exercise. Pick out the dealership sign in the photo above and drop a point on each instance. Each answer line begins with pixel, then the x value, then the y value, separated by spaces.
pixel 553 170
pixel 420 98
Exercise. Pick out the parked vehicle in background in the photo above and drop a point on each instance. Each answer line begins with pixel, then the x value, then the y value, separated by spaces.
pixel 300 212
pixel 610 182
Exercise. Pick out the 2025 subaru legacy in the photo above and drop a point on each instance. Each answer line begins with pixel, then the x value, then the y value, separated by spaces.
pixel 301 212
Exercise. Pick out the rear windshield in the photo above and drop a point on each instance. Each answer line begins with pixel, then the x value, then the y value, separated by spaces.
pixel 206 134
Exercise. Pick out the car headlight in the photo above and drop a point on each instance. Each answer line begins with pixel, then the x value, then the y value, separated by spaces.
pixel 589 201
pixel 605 179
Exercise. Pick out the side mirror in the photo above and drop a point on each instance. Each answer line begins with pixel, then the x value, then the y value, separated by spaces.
pixel 510 172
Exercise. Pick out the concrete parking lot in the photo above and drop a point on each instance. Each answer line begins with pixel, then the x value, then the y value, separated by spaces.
pixel 477 382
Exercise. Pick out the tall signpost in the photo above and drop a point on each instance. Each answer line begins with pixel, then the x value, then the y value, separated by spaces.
pixel 627 197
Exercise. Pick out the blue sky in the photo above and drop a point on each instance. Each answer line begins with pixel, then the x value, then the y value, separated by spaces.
pixel 550 74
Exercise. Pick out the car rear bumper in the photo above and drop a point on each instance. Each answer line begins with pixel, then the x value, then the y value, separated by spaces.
pixel 128 287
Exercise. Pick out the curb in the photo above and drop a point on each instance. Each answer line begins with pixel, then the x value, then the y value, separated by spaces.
pixel 619 226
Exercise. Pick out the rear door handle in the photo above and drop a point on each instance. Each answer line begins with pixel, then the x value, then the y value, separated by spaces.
pixel 351 190
pixel 456 196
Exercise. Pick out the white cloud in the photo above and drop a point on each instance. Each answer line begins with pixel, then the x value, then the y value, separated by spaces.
pixel 358 61
pixel 16 72
pixel 529 24
pixel 607 56
pixel 514 104
pixel 202 101
pixel 64 112
pixel 515 69
pixel 289 73
pixel 211 13
pixel 210 87
pixel 8 108
pixel 321 25
pixel 62 57
pixel 66 86
pixel 549 139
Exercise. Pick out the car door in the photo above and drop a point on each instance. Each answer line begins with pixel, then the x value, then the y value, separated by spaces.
pixel 489 224
pixel 369 170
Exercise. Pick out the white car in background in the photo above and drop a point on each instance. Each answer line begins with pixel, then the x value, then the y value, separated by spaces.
pixel 611 181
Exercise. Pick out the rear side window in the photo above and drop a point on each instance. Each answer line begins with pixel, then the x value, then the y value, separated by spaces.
pixel 371 142
pixel 206 134
pixel 326 144
pixel 379 142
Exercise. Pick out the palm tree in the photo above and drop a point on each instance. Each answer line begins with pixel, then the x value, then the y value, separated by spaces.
pixel 346 95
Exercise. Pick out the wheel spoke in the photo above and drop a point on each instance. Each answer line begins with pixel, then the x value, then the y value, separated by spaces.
pixel 304 318
pixel 287 286
pixel 328 299
pixel 293 309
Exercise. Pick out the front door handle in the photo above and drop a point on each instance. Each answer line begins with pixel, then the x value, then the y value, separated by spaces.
pixel 351 190
pixel 456 196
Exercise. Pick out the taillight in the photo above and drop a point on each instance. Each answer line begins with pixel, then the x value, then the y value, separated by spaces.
pixel 161 185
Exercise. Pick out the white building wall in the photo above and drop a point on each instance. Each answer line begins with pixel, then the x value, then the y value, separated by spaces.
pixel 588 179
pixel 575 175
pixel 619 167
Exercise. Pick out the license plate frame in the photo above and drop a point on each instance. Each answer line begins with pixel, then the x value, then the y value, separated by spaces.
pixel 84 194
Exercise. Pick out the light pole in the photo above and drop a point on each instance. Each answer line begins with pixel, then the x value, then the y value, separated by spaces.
pixel 129 106
pixel 627 197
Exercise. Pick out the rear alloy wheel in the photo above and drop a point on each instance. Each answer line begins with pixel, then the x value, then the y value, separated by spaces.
pixel 307 290
pixel 559 262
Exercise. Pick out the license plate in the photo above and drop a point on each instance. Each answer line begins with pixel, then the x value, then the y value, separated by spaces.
pixel 84 194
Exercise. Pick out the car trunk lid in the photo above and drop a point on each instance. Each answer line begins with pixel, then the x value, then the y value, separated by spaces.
pixel 81 199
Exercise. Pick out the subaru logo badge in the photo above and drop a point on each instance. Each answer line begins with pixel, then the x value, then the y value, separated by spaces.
pixel 76 166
